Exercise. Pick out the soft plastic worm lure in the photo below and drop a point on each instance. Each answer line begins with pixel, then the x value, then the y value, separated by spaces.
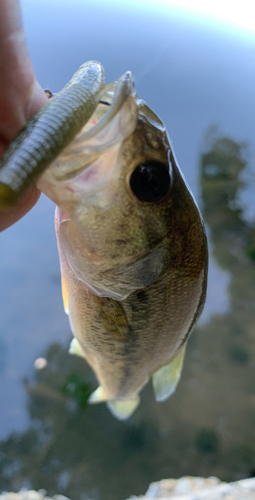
pixel 50 130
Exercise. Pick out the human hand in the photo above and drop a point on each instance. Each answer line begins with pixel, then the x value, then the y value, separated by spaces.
pixel 20 95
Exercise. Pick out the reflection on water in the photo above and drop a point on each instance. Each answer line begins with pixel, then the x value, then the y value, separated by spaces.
pixel 206 428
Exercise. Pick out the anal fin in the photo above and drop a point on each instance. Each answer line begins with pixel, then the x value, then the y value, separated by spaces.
pixel 123 409
pixel 120 409
pixel 165 380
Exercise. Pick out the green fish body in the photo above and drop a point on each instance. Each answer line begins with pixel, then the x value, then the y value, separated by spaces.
pixel 132 247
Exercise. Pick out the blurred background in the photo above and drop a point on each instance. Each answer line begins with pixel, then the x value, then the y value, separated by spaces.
pixel 196 71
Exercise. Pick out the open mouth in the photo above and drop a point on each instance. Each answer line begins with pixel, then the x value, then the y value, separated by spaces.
pixel 93 152
pixel 111 122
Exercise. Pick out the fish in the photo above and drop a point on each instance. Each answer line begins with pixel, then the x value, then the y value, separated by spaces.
pixel 132 249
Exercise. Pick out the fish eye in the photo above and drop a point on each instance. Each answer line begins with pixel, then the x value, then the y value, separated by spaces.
pixel 150 181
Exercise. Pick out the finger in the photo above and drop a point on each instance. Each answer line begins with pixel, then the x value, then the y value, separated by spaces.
pixel 9 217
pixel 20 95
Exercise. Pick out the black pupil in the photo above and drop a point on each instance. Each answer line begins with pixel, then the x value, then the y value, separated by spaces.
pixel 150 181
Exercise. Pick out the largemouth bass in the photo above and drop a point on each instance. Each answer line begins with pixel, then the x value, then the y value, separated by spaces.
pixel 132 246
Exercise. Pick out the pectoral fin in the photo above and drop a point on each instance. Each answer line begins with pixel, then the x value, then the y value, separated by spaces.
pixel 113 317
pixel 123 409
pixel 165 380
pixel 75 348
pixel 64 294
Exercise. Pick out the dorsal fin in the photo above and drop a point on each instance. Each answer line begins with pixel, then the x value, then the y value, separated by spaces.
pixel 165 380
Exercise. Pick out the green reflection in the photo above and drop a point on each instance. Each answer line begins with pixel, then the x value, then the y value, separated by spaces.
pixel 206 428
pixel 77 388
pixel 69 447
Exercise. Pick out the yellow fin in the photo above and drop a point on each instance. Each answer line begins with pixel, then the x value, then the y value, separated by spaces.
pixel 165 380
pixel 98 396
pixel 123 409
pixel 75 348
pixel 64 294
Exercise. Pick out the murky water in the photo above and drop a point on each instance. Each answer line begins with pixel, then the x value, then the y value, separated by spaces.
pixel 200 79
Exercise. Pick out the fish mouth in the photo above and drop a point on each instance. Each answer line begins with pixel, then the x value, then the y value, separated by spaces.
pixel 114 119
